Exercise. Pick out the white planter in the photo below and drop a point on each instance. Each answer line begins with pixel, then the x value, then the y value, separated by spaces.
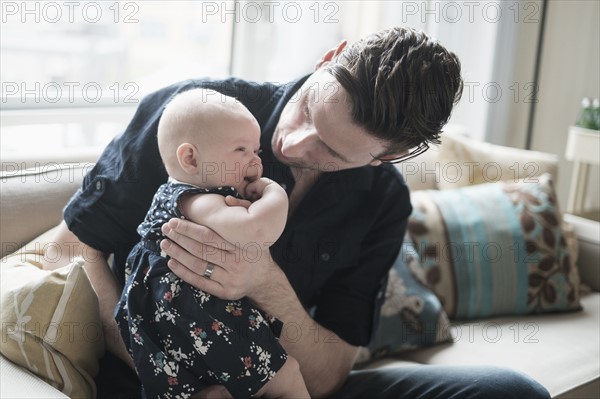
pixel 583 145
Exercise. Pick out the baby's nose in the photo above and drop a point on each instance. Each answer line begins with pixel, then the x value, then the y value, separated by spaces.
pixel 253 170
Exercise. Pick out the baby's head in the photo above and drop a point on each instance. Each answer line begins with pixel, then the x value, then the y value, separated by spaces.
pixel 210 140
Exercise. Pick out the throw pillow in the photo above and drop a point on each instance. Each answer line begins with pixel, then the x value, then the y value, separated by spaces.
pixel 495 249
pixel 411 315
pixel 482 162
pixel 50 322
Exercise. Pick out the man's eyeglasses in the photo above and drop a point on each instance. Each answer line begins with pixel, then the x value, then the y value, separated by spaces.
pixel 414 152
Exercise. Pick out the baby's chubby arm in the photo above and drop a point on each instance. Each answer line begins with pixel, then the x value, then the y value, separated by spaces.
pixel 261 222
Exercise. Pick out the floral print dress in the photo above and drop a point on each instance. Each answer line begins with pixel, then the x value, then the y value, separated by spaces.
pixel 182 339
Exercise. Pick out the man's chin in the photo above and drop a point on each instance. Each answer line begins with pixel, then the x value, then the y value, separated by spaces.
pixel 288 162
pixel 294 163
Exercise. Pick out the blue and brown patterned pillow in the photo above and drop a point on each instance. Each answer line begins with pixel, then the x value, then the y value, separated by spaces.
pixel 495 249
pixel 411 315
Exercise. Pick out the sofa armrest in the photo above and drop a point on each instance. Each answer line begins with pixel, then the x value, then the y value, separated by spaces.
pixel 32 200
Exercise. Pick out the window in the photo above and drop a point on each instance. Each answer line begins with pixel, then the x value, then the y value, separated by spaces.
pixel 72 73
pixel 93 61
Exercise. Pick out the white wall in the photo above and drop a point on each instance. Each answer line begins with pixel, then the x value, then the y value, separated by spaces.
pixel 570 70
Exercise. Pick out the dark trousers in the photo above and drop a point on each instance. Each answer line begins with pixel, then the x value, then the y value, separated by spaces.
pixel 441 382
pixel 117 381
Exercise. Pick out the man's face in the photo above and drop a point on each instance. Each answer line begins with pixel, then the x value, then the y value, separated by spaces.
pixel 316 130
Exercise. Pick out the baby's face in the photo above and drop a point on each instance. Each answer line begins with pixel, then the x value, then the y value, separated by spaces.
pixel 229 156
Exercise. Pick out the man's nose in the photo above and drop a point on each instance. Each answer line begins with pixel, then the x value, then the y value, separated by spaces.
pixel 297 144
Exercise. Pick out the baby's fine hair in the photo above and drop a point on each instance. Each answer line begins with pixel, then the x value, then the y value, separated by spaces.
pixel 185 115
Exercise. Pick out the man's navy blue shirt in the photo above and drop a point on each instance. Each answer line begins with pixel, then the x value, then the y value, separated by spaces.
pixel 337 247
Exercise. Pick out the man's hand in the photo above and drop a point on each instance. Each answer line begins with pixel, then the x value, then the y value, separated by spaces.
pixel 238 272
pixel 324 364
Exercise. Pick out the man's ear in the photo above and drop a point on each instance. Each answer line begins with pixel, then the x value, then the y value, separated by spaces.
pixel 331 54
pixel 187 156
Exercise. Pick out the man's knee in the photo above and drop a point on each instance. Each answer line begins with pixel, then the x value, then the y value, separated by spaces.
pixel 501 382
pixel 444 382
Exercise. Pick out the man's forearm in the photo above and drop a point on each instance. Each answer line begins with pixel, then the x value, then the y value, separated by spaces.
pixel 108 292
pixel 101 278
pixel 325 359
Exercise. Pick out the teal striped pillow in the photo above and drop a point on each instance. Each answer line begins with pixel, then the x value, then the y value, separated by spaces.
pixel 495 249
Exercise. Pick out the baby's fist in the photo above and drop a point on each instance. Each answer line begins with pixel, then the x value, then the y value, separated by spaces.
pixel 254 190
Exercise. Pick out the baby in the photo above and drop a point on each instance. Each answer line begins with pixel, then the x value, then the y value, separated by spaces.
pixel 182 339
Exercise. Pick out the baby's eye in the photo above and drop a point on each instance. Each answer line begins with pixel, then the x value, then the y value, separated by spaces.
pixel 241 149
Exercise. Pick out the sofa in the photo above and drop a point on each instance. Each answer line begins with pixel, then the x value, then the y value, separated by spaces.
pixel 559 347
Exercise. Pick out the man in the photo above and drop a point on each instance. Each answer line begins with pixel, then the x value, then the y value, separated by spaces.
pixel 327 139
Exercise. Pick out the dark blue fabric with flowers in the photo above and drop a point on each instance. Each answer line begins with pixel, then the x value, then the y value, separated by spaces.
pixel 181 338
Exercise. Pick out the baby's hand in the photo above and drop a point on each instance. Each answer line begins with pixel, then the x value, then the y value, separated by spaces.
pixel 254 190
pixel 230 200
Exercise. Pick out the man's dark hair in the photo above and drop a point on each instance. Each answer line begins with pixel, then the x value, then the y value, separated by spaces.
pixel 402 85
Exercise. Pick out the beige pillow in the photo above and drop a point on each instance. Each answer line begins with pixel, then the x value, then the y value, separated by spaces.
pixel 50 322
pixel 464 162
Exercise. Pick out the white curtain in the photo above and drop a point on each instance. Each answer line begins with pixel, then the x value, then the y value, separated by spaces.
pixel 495 41
pixel 137 47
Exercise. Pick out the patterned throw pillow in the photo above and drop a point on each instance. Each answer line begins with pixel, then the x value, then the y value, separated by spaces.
pixel 411 315
pixel 495 249
pixel 51 323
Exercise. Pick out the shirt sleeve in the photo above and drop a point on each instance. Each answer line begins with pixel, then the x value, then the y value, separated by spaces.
pixel 350 301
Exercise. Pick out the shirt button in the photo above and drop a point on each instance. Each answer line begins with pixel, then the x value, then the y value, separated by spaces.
pixel 98 185
pixel 325 257
pixel 284 186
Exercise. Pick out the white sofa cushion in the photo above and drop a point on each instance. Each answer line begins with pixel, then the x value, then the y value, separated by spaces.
pixel 17 382
pixel 560 350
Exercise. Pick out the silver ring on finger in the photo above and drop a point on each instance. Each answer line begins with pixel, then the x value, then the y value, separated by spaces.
pixel 210 268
